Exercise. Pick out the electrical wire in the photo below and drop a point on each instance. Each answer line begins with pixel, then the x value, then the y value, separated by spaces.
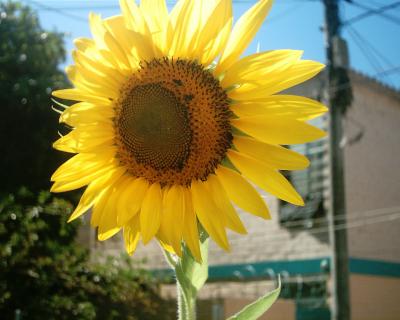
pixel 58 11
pixel 102 6
pixel 349 224
pixel 65 11
pixel 365 49
pixel 389 71
pixel 371 11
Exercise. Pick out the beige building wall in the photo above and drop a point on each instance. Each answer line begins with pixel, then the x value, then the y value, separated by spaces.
pixel 375 298
pixel 372 170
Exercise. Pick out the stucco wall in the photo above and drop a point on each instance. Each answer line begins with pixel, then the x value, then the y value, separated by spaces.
pixel 374 298
pixel 372 171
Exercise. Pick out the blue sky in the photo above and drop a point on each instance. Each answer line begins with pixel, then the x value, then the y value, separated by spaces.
pixel 295 24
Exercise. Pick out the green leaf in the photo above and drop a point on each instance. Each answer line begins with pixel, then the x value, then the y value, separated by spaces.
pixel 256 309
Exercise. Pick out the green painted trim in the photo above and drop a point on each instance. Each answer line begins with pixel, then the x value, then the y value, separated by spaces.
pixel 374 267
pixel 258 270
pixel 265 269
pixel 307 313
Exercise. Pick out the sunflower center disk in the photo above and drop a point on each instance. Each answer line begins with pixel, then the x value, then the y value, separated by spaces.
pixel 155 127
pixel 172 122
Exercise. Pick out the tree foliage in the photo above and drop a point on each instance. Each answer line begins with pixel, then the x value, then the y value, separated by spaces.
pixel 29 60
pixel 45 274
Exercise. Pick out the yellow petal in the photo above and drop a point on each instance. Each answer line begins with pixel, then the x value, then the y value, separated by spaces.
pixel 232 220
pixel 264 85
pixel 93 191
pixel 137 46
pixel 108 222
pixel 79 95
pixel 67 185
pixel 135 21
pixel 190 231
pixel 90 48
pixel 105 233
pixel 97 29
pixel 156 15
pixel 209 214
pixel 173 216
pixel 84 44
pixel 242 34
pixel 278 130
pixel 259 66
pixel 91 82
pixel 133 17
pixel 213 50
pixel 87 161
pixel 94 65
pixel 273 155
pixel 150 214
pixel 131 199
pixel 132 235
pixel 296 107
pixel 242 193
pixel 83 140
pixel 185 19
pixel 116 26
pixel 265 177
pixel 106 41
pixel 214 30
pixel 83 113
pixel 117 50
pixel 108 49
pixel 100 204
pixel 166 246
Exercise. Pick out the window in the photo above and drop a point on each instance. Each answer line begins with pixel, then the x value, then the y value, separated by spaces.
pixel 310 183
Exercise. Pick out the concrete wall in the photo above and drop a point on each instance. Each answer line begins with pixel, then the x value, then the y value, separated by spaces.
pixel 372 171
pixel 374 298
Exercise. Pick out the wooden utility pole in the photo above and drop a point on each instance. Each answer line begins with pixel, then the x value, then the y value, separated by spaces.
pixel 339 98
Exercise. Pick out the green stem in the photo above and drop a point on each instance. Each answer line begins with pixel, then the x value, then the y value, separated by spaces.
pixel 190 278
pixel 186 309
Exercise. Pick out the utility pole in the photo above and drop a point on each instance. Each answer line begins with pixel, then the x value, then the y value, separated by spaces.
pixel 339 98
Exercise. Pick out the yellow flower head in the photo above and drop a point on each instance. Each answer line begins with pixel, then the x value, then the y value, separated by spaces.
pixel 170 122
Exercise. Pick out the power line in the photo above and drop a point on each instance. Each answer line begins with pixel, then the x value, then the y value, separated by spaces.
pixel 366 52
pixel 376 51
pixel 371 11
pixel 56 10
pixel 382 14
pixel 353 222
pixel 76 6
pixel 350 216
pixel 389 71
pixel 65 10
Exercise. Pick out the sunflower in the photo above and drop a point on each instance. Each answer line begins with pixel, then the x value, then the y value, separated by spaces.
pixel 170 122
